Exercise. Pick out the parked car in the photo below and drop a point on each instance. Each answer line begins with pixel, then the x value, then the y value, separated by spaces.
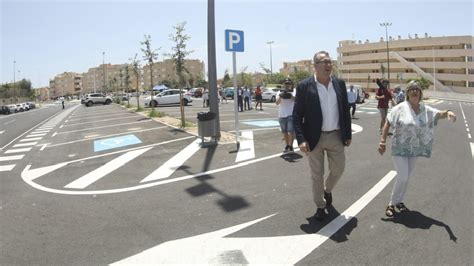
pixel 196 92
pixel 167 97
pixel 5 110
pixel 95 98
pixel 229 92
pixel 13 108
pixel 270 94
pixel 31 105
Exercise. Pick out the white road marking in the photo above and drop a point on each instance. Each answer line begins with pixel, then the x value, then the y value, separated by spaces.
pixel 25 144
pixel 9 167
pixel 467 129
pixel 91 136
pixel 44 146
pixel 30 139
pixel 18 150
pixel 462 111
pixel 11 158
pixel 469 135
pixel 114 125
pixel 9 122
pixel 103 120
pixel 37 131
pixel 472 150
pixel 55 133
pixel 36 135
pixel 106 169
pixel 215 248
pixel 1 132
pixel 61 126
pixel 247 149
pixel 170 166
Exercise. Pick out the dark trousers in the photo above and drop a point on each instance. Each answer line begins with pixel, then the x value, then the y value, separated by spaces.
pixel 240 103
pixel 353 106
pixel 247 103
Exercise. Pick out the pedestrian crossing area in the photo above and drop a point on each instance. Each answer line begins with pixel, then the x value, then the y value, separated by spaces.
pixel 10 157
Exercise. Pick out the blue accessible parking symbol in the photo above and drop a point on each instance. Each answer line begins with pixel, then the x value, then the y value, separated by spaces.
pixel 112 143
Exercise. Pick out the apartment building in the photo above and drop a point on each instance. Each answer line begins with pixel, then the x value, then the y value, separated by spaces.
pixel 65 84
pixel 300 66
pixel 108 78
pixel 446 61
pixel 165 70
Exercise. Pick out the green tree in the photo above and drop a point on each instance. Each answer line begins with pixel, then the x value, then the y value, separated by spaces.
pixel 424 83
pixel 150 55
pixel 298 76
pixel 136 72
pixel 226 82
pixel 179 54
pixel 127 83
pixel 201 83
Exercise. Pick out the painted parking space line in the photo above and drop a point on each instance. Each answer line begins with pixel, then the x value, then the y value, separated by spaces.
pixel 262 123
pixel 11 158
pixel 102 171
pixel 25 144
pixel 30 139
pixel 247 149
pixel 36 135
pixel 9 167
pixel 168 168
pixel 18 150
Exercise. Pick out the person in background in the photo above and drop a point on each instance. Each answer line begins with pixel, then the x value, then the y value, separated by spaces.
pixel 383 96
pixel 240 100
pixel 247 96
pixel 352 99
pixel 322 124
pixel 205 97
pixel 258 98
pixel 399 94
pixel 413 129
pixel 286 101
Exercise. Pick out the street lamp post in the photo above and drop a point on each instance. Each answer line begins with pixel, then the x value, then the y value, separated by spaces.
pixel 14 62
pixel 271 63
pixel 387 24
pixel 103 68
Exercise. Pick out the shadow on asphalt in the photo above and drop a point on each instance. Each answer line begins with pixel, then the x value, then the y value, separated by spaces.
pixel 416 220
pixel 228 203
pixel 341 235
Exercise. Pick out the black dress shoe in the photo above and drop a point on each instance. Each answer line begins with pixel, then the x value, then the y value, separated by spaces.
pixel 328 198
pixel 320 214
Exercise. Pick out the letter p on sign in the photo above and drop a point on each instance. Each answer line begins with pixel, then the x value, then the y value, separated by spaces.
pixel 234 41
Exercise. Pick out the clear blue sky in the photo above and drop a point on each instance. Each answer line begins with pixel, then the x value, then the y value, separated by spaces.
pixel 46 38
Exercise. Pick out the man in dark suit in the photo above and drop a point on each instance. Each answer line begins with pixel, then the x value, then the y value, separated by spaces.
pixel 322 123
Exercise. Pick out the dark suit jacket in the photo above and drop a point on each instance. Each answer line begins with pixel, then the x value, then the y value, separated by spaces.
pixel 307 114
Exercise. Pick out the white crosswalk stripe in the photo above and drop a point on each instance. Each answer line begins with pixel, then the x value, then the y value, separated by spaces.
pixel 8 167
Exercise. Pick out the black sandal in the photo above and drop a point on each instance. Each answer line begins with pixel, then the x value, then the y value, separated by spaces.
pixel 390 211
pixel 402 208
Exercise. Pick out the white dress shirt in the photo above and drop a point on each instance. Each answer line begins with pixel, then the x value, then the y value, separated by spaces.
pixel 351 96
pixel 329 108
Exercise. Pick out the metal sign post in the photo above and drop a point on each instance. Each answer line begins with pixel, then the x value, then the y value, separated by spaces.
pixel 234 42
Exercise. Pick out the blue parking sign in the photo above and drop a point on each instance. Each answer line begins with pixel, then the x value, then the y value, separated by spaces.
pixel 234 40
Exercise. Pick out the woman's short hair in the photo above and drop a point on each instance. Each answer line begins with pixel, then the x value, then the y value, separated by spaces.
pixel 413 85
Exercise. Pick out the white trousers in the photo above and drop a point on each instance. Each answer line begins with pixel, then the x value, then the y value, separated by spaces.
pixel 404 167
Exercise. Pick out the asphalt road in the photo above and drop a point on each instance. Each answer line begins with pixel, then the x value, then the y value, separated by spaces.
pixel 105 185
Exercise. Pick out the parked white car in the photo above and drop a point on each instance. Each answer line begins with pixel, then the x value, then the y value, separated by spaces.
pixel 270 94
pixel 167 97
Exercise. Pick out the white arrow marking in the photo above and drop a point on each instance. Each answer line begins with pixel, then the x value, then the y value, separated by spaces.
pixel 246 150
pixel 29 175
pixel 356 128
pixel 168 168
pixel 86 180
pixel 214 248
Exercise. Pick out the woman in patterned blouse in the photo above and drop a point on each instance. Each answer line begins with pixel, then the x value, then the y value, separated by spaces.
pixel 413 124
